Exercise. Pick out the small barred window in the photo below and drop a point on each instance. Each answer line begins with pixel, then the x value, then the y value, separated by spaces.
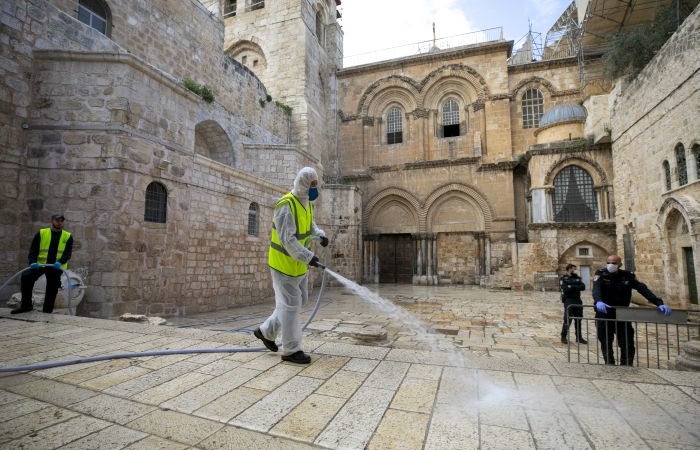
pixel 394 126
pixel 253 211
pixel 681 165
pixel 156 203
pixel 533 108
pixel 450 118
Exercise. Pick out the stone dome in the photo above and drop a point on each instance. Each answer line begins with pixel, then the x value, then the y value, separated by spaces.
pixel 566 112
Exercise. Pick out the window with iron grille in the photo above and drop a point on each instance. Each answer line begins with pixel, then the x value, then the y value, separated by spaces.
pixel 667 174
pixel 696 154
pixel 450 118
pixel 533 108
pixel 574 199
pixel 253 219
pixel 94 14
pixel 259 4
pixel 230 8
pixel 156 203
pixel 394 126
pixel 681 166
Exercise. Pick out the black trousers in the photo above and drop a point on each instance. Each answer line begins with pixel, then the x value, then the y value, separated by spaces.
pixel 53 282
pixel 570 314
pixel 607 330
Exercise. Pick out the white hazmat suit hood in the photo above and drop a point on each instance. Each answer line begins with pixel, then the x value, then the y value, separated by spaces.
pixel 302 184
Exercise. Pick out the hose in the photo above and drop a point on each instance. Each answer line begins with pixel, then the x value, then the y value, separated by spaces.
pixel 49 365
pixel 68 284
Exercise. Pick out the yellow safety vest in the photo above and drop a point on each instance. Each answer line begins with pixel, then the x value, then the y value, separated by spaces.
pixel 45 241
pixel 277 256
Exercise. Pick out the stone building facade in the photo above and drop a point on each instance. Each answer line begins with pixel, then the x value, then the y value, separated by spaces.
pixel 455 166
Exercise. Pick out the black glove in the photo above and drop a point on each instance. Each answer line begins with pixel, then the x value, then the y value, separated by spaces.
pixel 314 261
pixel 324 241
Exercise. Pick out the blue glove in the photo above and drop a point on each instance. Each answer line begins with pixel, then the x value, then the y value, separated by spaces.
pixel 601 307
pixel 57 265
pixel 34 265
pixel 665 309
pixel 324 241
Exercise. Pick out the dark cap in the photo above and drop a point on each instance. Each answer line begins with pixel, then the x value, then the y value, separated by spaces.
pixel 570 266
pixel 58 217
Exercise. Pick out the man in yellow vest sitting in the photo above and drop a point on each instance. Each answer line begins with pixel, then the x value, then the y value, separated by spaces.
pixel 289 255
pixel 48 255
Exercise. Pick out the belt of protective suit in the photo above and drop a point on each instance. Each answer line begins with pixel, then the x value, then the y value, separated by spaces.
pixel 278 258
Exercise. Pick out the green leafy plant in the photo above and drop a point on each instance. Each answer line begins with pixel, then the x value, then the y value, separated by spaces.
pixel 286 108
pixel 262 102
pixel 198 89
pixel 633 49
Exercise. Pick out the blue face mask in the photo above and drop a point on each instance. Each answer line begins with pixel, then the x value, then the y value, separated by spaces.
pixel 313 193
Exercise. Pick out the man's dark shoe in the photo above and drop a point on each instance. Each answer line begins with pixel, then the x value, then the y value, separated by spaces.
pixel 21 310
pixel 564 340
pixel 581 340
pixel 268 343
pixel 297 357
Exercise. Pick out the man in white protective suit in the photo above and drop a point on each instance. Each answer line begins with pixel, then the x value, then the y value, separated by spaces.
pixel 289 255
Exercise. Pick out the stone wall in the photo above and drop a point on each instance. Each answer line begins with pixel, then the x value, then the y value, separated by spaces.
pixel 652 114
pixel 95 120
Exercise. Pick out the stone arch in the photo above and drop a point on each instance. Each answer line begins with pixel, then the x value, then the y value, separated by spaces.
pixel 599 176
pixel 457 195
pixel 252 53
pixel 391 95
pixel 392 211
pixel 461 80
pixel 679 224
pixel 211 140
pixel 533 82
pixel 380 92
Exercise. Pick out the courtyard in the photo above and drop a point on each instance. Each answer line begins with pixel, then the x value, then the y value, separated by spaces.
pixel 467 368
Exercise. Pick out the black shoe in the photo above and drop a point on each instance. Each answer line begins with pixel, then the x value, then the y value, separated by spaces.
pixel 581 340
pixel 564 340
pixel 297 357
pixel 21 310
pixel 268 343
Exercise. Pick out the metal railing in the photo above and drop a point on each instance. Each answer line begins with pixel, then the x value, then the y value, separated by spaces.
pixel 657 339
pixel 423 47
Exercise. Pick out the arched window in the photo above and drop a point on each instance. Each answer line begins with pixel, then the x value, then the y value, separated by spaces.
pixel 667 174
pixel 681 166
pixel 696 154
pixel 156 203
pixel 574 199
pixel 253 219
pixel 320 28
pixel 394 126
pixel 533 108
pixel 95 13
pixel 450 118
pixel 230 7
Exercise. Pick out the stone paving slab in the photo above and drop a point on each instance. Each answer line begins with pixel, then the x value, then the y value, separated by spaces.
pixel 493 376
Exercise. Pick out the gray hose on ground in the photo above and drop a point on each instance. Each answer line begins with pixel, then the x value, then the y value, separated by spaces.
pixel 68 362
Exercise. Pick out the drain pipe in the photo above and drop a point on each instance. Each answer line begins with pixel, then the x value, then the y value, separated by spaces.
pixel 49 365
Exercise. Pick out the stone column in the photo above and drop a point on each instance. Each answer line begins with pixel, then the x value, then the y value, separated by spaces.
pixel 539 205
pixel 418 266
pixel 434 260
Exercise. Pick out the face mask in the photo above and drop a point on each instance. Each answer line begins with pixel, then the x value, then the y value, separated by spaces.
pixel 612 268
pixel 313 193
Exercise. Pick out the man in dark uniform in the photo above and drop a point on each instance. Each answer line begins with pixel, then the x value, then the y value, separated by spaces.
pixel 48 255
pixel 571 286
pixel 612 287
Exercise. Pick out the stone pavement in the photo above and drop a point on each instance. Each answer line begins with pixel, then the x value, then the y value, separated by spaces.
pixel 487 371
